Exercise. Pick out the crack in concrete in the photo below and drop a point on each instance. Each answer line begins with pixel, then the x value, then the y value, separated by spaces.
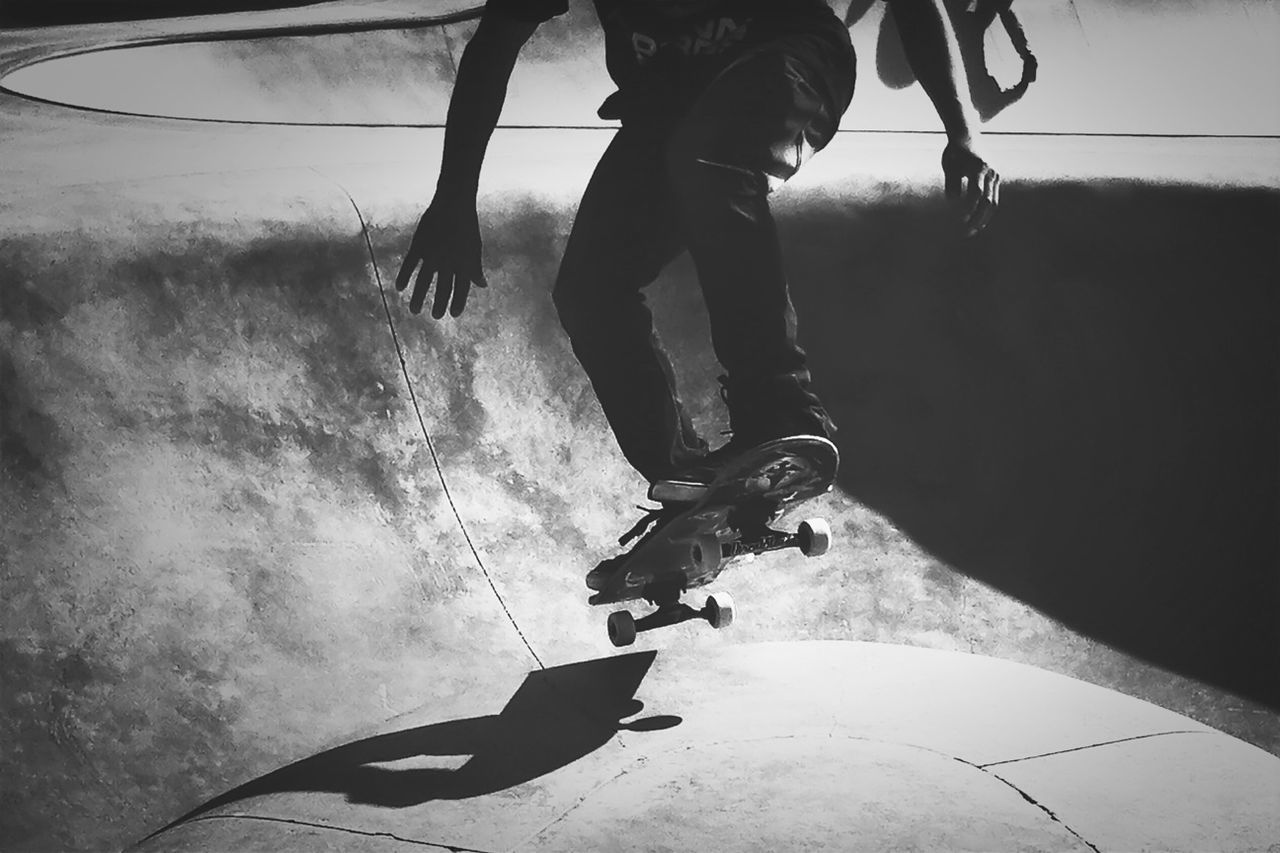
pixel 1039 805
pixel 637 763
pixel 1092 746
pixel 986 768
pixel 642 761
pixel 343 829
pixel 832 735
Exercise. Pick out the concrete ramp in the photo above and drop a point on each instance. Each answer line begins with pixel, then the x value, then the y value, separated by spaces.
pixel 797 746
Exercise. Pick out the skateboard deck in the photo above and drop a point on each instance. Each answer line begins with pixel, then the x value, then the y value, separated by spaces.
pixel 732 518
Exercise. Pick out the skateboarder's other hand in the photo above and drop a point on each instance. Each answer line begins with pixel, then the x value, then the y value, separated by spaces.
pixel 446 247
pixel 971 180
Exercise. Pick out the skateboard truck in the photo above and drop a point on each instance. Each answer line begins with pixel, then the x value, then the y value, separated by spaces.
pixel 712 524
pixel 812 539
pixel 623 627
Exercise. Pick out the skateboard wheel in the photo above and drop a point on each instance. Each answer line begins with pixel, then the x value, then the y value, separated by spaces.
pixel 622 628
pixel 719 610
pixel 706 554
pixel 815 537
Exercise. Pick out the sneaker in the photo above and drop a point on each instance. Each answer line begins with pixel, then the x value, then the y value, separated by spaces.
pixel 654 519
pixel 689 484
pixel 755 418
pixel 760 412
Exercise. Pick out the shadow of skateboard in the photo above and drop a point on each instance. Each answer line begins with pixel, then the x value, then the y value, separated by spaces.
pixel 732 517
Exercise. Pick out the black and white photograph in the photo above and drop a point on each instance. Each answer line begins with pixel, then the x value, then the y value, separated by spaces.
pixel 531 426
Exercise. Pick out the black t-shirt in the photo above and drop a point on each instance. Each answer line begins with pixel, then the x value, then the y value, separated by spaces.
pixel 666 47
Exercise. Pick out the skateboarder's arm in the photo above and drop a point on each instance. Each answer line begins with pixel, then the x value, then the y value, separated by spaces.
pixel 478 96
pixel 446 245
pixel 931 47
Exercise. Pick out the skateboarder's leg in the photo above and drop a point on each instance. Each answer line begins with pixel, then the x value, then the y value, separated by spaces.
pixel 749 131
pixel 622 237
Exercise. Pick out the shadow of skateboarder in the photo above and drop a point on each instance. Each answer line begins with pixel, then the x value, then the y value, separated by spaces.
pixel 556 717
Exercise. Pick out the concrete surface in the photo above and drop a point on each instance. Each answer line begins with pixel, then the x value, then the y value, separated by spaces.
pixel 227 549
pixel 800 746
pixel 1203 68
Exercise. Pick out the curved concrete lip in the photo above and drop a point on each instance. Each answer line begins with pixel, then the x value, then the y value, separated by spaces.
pixel 266 69
pixel 175 69
pixel 813 745
pixel 121 68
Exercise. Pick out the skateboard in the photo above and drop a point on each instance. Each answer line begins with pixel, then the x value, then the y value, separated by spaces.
pixel 729 518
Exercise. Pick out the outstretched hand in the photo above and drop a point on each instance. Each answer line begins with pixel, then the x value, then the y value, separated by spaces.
pixel 969 178
pixel 446 246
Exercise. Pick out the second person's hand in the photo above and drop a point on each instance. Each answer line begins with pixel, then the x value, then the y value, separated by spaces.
pixel 961 165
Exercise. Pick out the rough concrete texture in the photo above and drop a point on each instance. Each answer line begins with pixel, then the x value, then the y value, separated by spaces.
pixel 807 746
pixel 225 545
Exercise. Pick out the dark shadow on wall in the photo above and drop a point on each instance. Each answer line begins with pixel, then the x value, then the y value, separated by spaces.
pixel 556 717
pixel 1080 408
pixel 45 13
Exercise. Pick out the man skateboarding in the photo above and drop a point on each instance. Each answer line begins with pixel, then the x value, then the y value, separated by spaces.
pixel 719 101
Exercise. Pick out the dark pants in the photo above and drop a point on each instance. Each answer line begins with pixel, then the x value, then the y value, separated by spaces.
pixel 699 181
